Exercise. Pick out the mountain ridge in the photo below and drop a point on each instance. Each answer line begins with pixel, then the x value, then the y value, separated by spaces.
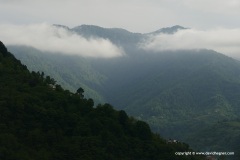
pixel 168 30
pixel 83 27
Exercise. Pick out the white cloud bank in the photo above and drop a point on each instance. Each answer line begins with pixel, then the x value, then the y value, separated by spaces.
pixel 57 40
pixel 226 41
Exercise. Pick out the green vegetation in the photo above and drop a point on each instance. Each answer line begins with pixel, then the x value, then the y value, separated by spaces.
pixel 69 71
pixel 222 136
pixel 179 93
pixel 40 120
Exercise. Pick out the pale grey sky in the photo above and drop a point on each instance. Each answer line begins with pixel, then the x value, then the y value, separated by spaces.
pixel 134 15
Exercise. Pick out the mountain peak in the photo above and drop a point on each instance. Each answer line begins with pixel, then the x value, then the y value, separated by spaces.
pixel 169 30
pixel 94 28
pixel 3 49
pixel 117 36
pixel 61 26
pixel 83 26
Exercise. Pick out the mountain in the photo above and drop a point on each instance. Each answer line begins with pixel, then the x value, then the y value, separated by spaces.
pixel 179 93
pixel 70 71
pixel 40 120
pixel 117 36
pixel 225 133
pixel 168 30
pixel 121 37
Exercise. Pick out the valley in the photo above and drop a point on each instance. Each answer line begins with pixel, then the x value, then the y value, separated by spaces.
pixel 182 94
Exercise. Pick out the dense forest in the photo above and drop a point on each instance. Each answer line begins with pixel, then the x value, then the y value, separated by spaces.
pixel 40 120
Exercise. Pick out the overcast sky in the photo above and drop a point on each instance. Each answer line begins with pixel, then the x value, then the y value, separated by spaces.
pixel 134 15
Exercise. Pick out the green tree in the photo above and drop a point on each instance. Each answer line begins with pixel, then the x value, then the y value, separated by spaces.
pixel 80 92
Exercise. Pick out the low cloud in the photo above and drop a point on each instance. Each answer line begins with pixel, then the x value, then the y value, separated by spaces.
pixel 226 41
pixel 53 39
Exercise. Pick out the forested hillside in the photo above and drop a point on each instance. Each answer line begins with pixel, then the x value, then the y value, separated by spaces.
pixel 220 135
pixel 70 71
pixel 40 120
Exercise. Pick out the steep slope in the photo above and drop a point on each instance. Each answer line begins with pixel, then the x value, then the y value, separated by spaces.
pixel 197 80
pixel 70 71
pixel 221 134
pixel 39 121
pixel 168 30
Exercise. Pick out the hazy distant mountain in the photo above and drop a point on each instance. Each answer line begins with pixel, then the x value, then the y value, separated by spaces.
pixel 120 37
pixel 168 30
pixel 115 35
pixel 178 92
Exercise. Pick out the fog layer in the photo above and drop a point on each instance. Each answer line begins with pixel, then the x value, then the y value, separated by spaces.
pixel 53 39
pixel 226 41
